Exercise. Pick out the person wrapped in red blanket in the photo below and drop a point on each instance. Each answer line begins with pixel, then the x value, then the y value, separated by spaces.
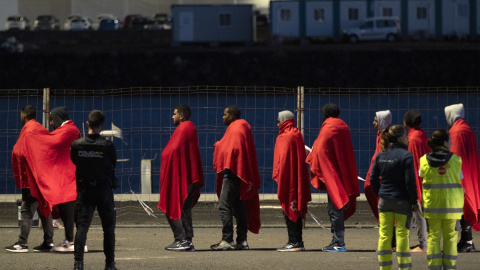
pixel 464 145
pixel 291 173
pixel 333 168
pixel 238 181
pixel 23 176
pixel 381 121
pixel 181 177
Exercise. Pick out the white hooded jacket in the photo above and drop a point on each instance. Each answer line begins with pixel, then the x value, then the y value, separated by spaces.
pixel 454 112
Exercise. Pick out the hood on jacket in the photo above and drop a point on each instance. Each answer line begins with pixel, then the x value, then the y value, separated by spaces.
pixel 284 115
pixel 384 119
pixel 439 157
pixel 454 112
pixel 58 116
pixel 412 118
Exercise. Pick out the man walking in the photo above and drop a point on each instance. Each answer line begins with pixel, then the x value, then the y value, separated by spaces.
pixel 238 181
pixel 181 177
pixel 333 167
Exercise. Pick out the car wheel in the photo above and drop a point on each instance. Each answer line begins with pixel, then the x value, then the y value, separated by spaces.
pixel 391 38
pixel 353 39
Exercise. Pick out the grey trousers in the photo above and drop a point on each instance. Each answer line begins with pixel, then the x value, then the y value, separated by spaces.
pixel 422 229
pixel 183 228
pixel 27 209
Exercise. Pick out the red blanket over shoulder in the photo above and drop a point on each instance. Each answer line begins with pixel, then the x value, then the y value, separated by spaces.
pixel 21 171
pixel 181 167
pixel 417 145
pixel 291 171
pixel 465 146
pixel 333 166
pixel 236 152
pixel 48 156
pixel 372 198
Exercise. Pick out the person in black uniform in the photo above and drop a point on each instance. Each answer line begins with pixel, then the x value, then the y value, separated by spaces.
pixel 95 159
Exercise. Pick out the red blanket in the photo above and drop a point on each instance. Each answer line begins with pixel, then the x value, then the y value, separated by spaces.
pixel 291 171
pixel 333 166
pixel 465 146
pixel 48 156
pixel 372 198
pixel 181 167
pixel 236 152
pixel 21 171
pixel 417 145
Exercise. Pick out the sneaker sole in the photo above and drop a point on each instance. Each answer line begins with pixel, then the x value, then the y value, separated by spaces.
pixel 291 249
pixel 339 250
pixel 17 250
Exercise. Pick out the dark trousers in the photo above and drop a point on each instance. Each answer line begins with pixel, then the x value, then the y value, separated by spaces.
pixel 338 224
pixel 294 229
pixel 101 197
pixel 27 209
pixel 466 232
pixel 183 228
pixel 67 214
pixel 230 206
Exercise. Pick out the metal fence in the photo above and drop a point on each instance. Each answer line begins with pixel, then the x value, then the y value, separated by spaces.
pixel 144 116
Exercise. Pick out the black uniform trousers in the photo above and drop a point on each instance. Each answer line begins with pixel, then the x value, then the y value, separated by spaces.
pixel 100 196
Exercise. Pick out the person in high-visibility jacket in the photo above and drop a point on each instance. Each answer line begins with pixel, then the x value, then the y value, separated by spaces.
pixel 398 196
pixel 442 200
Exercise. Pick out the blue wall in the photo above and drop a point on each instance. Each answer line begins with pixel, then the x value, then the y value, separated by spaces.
pixel 144 115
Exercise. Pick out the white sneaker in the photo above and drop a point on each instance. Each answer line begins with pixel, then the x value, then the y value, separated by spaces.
pixel 64 246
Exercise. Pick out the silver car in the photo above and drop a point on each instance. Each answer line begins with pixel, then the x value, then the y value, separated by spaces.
pixel 375 28
pixel 17 22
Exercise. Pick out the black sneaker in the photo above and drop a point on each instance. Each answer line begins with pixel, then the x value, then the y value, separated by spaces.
pixel 17 247
pixel 242 245
pixel 44 247
pixel 223 245
pixel 292 247
pixel 180 246
pixel 334 247
pixel 110 266
pixel 466 247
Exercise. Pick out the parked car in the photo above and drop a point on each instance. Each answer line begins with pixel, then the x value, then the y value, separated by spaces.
pixel 161 21
pixel 17 22
pixel 375 28
pixel 128 19
pixel 100 17
pixel 46 22
pixel 77 22
pixel 109 24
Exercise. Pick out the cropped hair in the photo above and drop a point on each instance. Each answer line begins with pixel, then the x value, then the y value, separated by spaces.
pixel 391 135
pixel 439 137
pixel 95 119
pixel 30 112
pixel 185 110
pixel 235 110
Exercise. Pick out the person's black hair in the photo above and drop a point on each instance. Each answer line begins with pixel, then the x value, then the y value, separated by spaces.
pixel 234 110
pixel 184 110
pixel 330 110
pixel 439 137
pixel 30 112
pixel 95 119
pixel 412 118
pixel 391 135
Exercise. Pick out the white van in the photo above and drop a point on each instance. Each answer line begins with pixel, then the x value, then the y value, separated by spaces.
pixel 375 28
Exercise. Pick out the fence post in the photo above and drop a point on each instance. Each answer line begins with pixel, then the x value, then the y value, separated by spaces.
pixel 46 107
pixel 300 109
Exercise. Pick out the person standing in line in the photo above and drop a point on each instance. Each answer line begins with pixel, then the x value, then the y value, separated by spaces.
pixel 464 145
pixel 21 174
pixel 238 181
pixel 381 121
pixel 290 171
pixel 443 197
pixel 181 177
pixel 95 158
pixel 333 168
pixel 417 145
pixel 67 133
pixel 398 196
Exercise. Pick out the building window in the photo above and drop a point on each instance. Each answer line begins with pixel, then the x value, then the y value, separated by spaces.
pixel 387 12
pixel 353 14
pixel 421 13
pixel 319 14
pixel 462 11
pixel 285 14
pixel 225 19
